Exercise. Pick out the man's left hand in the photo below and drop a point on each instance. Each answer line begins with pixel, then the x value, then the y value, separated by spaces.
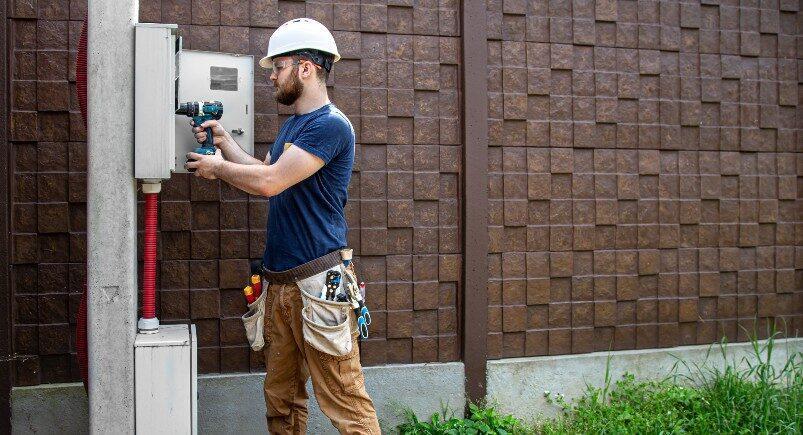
pixel 205 165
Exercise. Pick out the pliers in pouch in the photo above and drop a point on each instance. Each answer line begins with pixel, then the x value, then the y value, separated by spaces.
pixel 360 310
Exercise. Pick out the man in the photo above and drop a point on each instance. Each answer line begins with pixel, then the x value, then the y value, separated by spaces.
pixel 306 176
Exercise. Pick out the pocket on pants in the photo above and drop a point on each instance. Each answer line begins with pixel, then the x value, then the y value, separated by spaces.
pixel 343 374
pixel 254 322
pixel 326 325
pixel 350 371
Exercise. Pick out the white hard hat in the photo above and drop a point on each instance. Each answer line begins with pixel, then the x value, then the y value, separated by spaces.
pixel 300 34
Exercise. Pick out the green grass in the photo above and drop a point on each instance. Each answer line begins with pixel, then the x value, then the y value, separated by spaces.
pixel 747 398
pixel 481 420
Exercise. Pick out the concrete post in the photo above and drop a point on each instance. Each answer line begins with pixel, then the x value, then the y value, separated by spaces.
pixel 111 215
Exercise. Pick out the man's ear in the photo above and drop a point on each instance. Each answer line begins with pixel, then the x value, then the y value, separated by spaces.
pixel 305 71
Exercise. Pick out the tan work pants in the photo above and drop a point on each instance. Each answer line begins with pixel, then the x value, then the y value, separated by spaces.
pixel 337 381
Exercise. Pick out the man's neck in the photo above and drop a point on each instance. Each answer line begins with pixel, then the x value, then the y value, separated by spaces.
pixel 311 101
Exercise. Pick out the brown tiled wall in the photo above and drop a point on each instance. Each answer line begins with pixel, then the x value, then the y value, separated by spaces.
pixel 645 176
pixel 644 173
pixel 398 84
pixel 48 187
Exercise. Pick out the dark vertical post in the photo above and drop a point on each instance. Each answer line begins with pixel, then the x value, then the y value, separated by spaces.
pixel 474 113
pixel 5 247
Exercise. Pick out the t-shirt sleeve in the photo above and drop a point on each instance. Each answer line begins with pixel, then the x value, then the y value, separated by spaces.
pixel 325 137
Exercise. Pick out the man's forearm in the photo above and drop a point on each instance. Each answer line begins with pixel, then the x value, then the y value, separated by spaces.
pixel 252 178
pixel 233 152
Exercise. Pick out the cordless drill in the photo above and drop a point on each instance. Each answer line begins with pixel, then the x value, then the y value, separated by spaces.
pixel 200 112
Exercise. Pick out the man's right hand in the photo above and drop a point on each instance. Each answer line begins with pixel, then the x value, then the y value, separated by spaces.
pixel 224 142
pixel 218 132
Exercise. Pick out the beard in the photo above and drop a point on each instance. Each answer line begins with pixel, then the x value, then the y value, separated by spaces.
pixel 289 92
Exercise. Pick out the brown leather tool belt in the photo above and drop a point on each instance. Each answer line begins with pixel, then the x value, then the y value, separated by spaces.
pixel 303 271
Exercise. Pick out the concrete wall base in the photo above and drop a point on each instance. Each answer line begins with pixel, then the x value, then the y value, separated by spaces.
pixel 517 385
pixel 49 408
pixel 234 404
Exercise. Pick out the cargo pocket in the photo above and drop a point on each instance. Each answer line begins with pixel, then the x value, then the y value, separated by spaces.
pixel 350 370
pixel 254 322
pixel 343 374
pixel 326 325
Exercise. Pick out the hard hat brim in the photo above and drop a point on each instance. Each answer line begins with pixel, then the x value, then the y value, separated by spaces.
pixel 265 61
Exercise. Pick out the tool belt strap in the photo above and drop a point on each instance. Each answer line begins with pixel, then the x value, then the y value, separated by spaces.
pixel 303 271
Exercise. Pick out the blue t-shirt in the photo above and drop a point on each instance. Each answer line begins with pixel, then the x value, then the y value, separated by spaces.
pixel 307 220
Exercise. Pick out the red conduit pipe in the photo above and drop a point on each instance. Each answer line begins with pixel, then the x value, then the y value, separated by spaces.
pixel 149 269
pixel 80 72
pixel 148 323
pixel 80 330
pixel 80 341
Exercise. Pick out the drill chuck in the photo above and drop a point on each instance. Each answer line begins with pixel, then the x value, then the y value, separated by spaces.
pixel 207 109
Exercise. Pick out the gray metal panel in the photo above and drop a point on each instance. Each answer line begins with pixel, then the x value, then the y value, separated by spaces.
pixel 194 380
pixel 159 25
pixel 154 101
pixel 195 84
pixel 166 335
pixel 164 389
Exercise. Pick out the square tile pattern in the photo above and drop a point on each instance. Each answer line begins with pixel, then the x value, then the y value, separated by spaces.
pixel 397 82
pixel 645 175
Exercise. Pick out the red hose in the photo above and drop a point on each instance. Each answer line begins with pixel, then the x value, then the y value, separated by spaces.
pixel 80 341
pixel 80 329
pixel 149 272
pixel 80 72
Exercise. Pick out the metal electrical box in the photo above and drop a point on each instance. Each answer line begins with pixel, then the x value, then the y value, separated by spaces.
pixel 157 47
pixel 208 76
pixel 165 381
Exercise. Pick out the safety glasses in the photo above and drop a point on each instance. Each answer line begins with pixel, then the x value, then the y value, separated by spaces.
pixel 279 65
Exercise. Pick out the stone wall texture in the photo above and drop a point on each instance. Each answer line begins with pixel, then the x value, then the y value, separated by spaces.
pixel 645 176
pixel 398 84
pixel 644 173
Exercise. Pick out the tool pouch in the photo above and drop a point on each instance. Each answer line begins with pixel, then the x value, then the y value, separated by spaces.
pixel 254 321
pixel 327 325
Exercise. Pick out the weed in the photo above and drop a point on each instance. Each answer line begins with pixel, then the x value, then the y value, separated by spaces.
pixel 481 420
pixel 743 397
pixel 704 399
